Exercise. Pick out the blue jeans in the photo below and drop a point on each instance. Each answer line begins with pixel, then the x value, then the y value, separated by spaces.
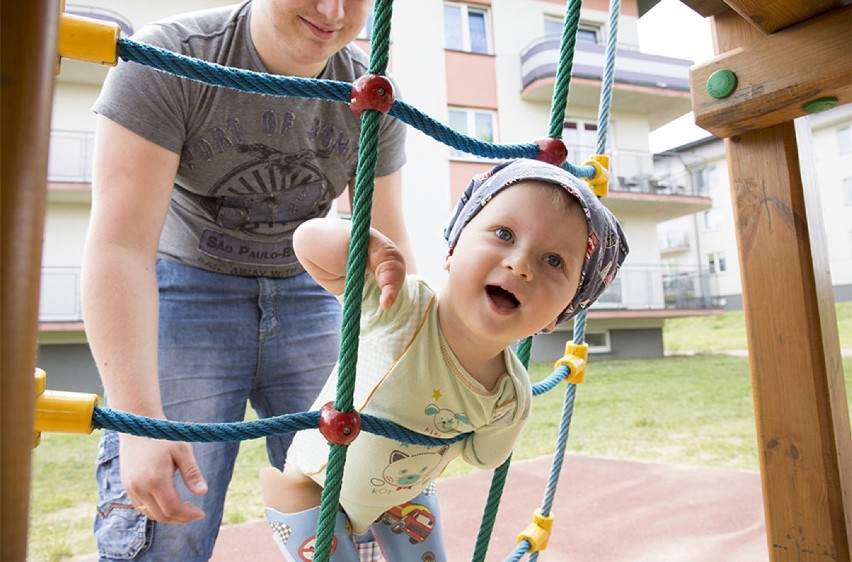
pixel 223 340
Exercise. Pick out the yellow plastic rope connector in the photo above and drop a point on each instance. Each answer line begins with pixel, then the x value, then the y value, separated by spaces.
pixel 576 355
pixel 88 40
pixel 537 533
pixel 61 412
pixel 599 184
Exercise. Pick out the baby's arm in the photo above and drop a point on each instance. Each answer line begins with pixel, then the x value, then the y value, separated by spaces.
pixel 322 246
pixel 491 445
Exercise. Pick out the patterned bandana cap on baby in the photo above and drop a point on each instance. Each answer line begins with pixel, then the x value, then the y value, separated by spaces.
pixel 606 249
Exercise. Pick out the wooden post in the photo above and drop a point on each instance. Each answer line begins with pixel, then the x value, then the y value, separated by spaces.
pixel 29 32
pixel 794 350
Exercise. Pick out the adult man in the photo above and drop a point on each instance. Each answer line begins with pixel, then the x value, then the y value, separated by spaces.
pixel 188 269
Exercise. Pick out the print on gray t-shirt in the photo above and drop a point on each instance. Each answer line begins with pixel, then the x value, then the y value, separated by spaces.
pixel 252 167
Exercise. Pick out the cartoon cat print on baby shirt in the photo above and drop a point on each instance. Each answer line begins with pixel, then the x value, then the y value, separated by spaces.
pixel 404 471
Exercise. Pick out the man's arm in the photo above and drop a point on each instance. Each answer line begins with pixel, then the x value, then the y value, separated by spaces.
pixel 131 189
pixel 322 246
pixel 387 215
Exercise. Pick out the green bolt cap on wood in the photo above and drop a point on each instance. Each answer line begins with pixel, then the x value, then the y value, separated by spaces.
pixel 820 104
pixel 721 83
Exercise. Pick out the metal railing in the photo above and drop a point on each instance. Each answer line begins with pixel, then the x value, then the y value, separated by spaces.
pixel 644 287
pixel 656 287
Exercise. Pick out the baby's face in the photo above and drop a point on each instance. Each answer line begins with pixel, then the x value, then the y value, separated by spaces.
pixel 518 262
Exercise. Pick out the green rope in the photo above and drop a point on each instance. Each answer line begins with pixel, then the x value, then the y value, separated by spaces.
pixel 368 148
pixel 563 71
pixel 558 107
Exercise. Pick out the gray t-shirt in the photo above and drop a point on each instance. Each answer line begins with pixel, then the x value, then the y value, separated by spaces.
pixel 252 167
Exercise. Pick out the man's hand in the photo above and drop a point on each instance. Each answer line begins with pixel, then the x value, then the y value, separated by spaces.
pixel 387 263
pixel 147 473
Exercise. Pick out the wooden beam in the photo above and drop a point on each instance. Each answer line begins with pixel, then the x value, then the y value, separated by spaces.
pixel 26 81
pixel 768 17
pixel 706 8
pixel 777 75
pixel 794 351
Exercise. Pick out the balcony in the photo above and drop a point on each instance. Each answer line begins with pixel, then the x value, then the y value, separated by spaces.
pixel 655 288
pixel 650 85
pixel 636 289
pixel 634 187
pixel 674 243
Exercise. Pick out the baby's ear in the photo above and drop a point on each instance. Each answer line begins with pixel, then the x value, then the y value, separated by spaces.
pixel 552 326
pixel 447 263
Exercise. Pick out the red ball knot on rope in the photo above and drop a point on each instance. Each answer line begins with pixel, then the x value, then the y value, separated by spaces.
pixel 371 91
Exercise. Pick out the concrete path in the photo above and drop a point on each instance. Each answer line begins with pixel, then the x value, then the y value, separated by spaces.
pixel 605 511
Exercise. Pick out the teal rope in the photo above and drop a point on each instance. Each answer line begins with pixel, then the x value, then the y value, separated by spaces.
pixel 123 422
pixel 608 77
pixel 339 91
pixel 558 107
pixel 581 319
pixel 329 90
pixel 368 150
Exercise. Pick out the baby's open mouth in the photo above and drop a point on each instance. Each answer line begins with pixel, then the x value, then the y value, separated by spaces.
pixel 502 298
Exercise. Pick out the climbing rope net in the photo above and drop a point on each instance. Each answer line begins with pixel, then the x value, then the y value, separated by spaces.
pixel 371 96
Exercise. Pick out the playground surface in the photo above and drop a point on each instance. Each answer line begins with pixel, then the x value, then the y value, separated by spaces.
pixel 605 510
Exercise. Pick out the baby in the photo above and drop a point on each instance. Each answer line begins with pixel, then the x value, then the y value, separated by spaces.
pixel 530 246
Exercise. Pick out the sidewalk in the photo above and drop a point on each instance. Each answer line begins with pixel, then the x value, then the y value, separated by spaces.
pixel 605 511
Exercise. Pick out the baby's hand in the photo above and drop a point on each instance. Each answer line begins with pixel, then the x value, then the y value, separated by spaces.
pixel 388 265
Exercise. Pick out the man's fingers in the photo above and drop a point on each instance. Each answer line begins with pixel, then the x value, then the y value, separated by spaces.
pixel 189 471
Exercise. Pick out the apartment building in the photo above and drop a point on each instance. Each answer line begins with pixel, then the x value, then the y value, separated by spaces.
pixel 702 247
pixel 485 68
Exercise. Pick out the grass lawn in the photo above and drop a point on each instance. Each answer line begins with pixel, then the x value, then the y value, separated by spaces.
pixel 686 410
pixel 711 334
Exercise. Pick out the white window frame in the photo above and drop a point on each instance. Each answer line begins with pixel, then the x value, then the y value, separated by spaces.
pixel 470 129
pixel 719 261
pixel 712 220
pixel 606 347
pixel 584 29
pixel 847 190
pixel 587 133
pixel 844 140
pixel 464 12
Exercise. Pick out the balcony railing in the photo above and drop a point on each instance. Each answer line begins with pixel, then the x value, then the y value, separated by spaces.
pixel 633 171
pixel 674 242
pixel 539 60
pixel 59 298
pixel 649 287
pixel 70 157
pixel 655 287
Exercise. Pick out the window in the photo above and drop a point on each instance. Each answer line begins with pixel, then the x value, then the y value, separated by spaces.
pixel 598 342
pixel 580 139
pixel 703 178
pixel 466 28
pixel 847 191
pixel 366 32
pixel 475 123
pixel 844 140
pixel 586 33
pixel 713 219
pixel 717 263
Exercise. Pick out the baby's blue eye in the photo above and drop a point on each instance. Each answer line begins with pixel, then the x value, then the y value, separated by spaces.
pixel 553 260
pixel 503 234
